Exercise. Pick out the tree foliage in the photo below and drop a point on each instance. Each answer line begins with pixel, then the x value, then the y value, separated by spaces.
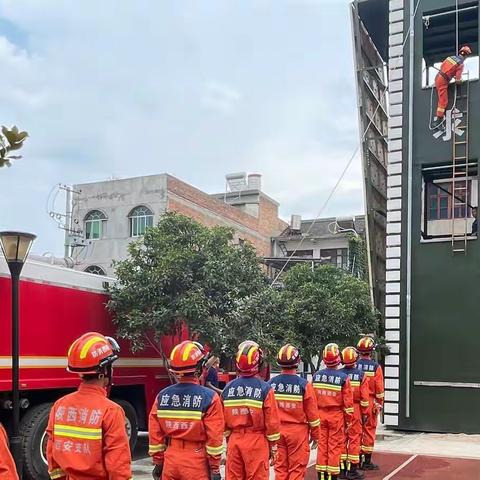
pixel 11 139
pixel 323 305
pixel 184 274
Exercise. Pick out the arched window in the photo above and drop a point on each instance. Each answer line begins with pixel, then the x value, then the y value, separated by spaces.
pixel 140 218
pixel 95 224
pixel 95 269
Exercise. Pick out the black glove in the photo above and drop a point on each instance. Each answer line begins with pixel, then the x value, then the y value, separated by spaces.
pixel 216 476
pixel 157 472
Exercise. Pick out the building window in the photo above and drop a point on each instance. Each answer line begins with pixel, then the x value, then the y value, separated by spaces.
pixel 440 39
pixel 95 269
pixel 140 218
pixel 335 256
pixel 440 199
pixel 95 224
pixel 447 211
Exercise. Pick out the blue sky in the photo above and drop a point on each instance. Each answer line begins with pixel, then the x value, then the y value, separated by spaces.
pixel 197 89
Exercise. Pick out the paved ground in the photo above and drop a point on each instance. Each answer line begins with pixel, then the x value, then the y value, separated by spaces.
pixel 401 456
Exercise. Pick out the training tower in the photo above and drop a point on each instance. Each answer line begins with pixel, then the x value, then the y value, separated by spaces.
pixel 429 183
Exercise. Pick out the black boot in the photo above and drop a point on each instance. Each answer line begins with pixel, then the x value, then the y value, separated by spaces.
pixel 367 463
pixel 439 124
pixel 354 473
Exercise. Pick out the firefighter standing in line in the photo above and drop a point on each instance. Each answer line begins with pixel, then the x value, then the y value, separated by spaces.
pixel 452 67
pixel 251 419
pixel 298 415
pixel 373 372
pixel 7 465
pixel 335 407
pixel 87 439
pixel 361 395
pixel 191 417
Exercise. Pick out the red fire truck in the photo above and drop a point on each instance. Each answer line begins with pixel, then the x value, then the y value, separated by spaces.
pixel 56 306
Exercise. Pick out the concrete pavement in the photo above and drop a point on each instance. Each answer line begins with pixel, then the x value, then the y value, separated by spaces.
pixel 401 444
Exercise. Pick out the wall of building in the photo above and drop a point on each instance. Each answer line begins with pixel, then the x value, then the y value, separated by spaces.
pixel 204 208
pixel 432 375
pixel 115 198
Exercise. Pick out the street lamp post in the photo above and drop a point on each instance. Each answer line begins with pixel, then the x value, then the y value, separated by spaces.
pixel 15 247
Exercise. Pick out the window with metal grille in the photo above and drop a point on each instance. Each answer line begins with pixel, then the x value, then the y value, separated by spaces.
pixel 335 256
pixel 95 222
pixel 140 218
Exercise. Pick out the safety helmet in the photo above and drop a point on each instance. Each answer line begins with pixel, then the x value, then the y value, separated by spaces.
pixel 246 343
pixel 288 356
pixel 331 355
pixel 187 357
pixel 465 50
pixel 349 356
pixel 91 353
pixel 366 345
pixel 249 359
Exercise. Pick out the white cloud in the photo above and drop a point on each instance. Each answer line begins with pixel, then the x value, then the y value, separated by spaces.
pixel 131 88
pixel 220 97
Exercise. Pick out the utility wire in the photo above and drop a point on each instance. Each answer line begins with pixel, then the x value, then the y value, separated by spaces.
pixel 347 166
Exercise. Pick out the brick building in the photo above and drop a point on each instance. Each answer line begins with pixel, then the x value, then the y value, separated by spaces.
pixel 110 214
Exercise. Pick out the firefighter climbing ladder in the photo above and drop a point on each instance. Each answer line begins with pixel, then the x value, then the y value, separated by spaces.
pixel 460 170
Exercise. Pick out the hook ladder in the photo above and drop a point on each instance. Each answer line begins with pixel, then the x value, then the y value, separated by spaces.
pixel 460 204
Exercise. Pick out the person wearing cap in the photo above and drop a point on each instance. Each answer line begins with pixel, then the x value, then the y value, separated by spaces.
pixel 8 470
pixel 335 408
pixel 191 417
pixel 251 418
pixel 86 431
pixel 452 67
pixel 361 395
pixel 374 373
pixel 299 419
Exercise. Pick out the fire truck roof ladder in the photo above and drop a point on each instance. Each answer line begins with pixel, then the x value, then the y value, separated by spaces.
pixel 460 173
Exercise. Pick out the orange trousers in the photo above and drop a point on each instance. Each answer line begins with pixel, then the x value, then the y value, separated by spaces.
pixel 442 90
pixel 293 452
pixel 185 461
pixel 332 440
pixel 247 456
pixel 370 429
pixel 354 437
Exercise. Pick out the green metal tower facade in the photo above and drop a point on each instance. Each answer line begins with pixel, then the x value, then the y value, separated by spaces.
pixel 432 319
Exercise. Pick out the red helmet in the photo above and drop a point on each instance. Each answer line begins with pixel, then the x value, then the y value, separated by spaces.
pixel 288 357
pixel 249 359
pixel 91 353
pixel 366 345
pixel 465 50
pixel 349 356
pixel 187 357
pixel 331 355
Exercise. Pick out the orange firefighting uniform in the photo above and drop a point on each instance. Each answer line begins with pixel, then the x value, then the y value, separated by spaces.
pixel 361 396
pixel 7 465
pixel 299 420
pixel 252 426
pixel 335 408
pixel 186 431
pixel 87 437
pixel 451 67
pixel 374 373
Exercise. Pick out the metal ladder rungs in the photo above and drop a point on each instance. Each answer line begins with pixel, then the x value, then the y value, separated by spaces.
pixel 460 158
pixel 460 143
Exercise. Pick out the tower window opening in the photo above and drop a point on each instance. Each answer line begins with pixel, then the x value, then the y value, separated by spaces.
pixel 440 40
pixel 445 202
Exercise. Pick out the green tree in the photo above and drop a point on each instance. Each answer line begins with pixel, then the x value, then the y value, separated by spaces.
pixel 322 305
pixel 184 274
pixel 10 140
